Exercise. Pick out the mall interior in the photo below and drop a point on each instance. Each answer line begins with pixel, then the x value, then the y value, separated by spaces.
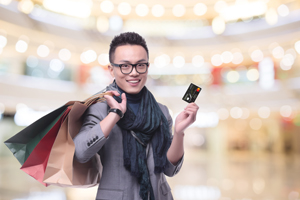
pixel 244 54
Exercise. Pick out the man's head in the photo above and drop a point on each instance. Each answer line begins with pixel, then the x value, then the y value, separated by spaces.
pixel 127 38
pixel 126 49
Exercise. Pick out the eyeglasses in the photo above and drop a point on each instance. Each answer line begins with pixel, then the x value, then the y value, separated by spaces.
pixel 141 68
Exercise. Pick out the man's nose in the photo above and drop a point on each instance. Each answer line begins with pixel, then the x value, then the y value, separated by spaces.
pixel 134 72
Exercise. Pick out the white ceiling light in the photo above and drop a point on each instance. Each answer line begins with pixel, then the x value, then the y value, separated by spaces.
pixel 26 6
pixel 178 10
pixel 271 16
pixel 237 58
pixel 107 6
pixel 43 51
pixel 21 46
pixel 102 24
pixel 200 9
pixel 124 8
pixel 64 54
pixel 227 57
pixel 142 10
pixel 3 41
pixel 198 61
pixel 264 112
pixel 252 74
pixel 283 10
pixel 220 6
pixel 297 46
pixel 257 55
pixel 158 10
pixel 216 60
pixel 178 61
pixel 5 2
pixel 103 59
pixel 218 25
pixel 115 23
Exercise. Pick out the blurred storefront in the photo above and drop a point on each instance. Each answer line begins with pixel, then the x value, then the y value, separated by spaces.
pixel 244 54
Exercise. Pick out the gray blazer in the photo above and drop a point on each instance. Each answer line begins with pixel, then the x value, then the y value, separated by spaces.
pixel 116 182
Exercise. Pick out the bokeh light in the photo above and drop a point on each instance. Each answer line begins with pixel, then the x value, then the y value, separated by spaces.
pixel 238 58
pixel 278 52
pixel 233 76
pixel 26 6
pixel 227 57
pixel 43 51
pixel 32 61
pixel 178 61
pixel 88 56
pixel 162 61
pixel 218 25
pixel 178 10
pixel 216 60
pixel 21 46
pixel 102 24
pixel 283 10
pixel 5 2
pixel 64 54
pixel 107 6
pixel 124 8
pixel 297 46
pixel 255 123
pixel 257 55
pixel 3 41
pixel 158 10
pixel 271 16
pixel 264 112
pixel 223 113
pixel 286 111
pixel 287 62
pixel 219 6
pixel 236 112
pixel 246 113
pixel 115 22
pixel 103 59
pixel 252 74
pixel 200 9
pixel 142 10
pixel 197 61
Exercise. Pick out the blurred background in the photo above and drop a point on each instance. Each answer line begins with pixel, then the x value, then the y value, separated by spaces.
pixel 244 54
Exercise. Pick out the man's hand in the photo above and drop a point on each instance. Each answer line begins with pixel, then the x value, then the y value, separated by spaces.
pixel 186 118
pixel 112 103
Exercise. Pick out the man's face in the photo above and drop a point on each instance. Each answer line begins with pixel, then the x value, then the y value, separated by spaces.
pixel 134 82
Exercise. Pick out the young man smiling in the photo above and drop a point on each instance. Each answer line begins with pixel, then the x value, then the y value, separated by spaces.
pixel 132 132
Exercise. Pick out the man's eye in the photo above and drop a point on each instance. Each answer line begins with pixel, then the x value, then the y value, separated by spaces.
pixel 125 66
pixel 141 65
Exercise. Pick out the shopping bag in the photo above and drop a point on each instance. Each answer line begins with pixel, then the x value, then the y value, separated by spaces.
pixel 62 169
pixel 35 164
pixel 23 143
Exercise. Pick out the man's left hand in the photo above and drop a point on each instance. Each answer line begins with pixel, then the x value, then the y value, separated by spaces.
pixel 186 118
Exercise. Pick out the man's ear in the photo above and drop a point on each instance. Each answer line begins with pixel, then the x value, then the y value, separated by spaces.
pixel 111 70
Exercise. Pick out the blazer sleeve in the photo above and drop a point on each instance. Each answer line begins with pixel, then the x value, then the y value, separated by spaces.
pixel 172 169
pixel 90 138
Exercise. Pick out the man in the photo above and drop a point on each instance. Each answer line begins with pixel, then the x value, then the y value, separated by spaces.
pixel 132 132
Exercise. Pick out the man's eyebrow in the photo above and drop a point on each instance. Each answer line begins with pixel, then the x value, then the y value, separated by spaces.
pixel 129 62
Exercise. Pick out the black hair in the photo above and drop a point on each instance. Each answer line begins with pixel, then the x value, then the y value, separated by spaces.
pixel 130 38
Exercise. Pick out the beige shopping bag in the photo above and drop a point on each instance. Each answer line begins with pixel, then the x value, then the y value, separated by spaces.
pixel 62 169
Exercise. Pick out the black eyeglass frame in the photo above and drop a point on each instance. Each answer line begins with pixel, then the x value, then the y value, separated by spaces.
pixel 133 66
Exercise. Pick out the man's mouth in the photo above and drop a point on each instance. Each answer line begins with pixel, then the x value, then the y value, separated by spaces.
pixel 134 81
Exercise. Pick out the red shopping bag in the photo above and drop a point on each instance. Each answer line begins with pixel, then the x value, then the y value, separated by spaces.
pixel 36 163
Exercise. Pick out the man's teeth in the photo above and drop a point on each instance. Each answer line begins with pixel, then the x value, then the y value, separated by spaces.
pixel 133 81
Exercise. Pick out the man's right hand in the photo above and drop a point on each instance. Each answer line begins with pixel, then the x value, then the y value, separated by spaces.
pixel 112 103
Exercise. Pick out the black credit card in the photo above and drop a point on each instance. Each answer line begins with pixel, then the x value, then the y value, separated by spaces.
pixel 191 93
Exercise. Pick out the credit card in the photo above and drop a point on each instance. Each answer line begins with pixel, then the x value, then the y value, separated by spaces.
pixel 191 93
